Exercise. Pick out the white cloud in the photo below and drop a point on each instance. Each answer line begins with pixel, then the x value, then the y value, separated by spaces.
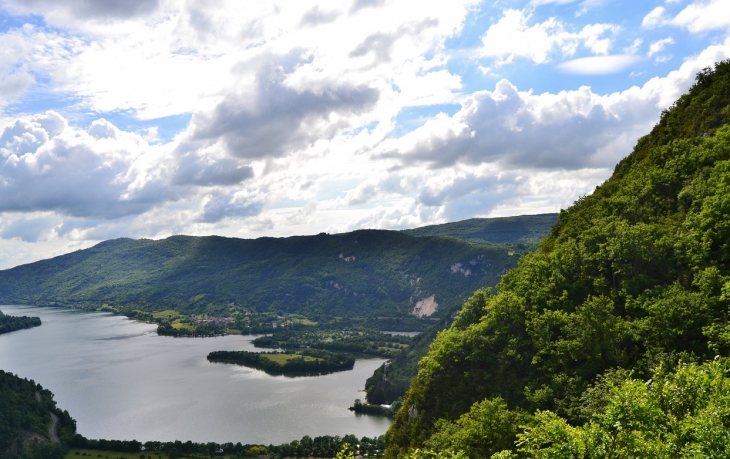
pixel 696 17
pixel 599 65
pixel 659 45
pixel 511 37
pixel 656 17
pixel 701 16
pixel 634 48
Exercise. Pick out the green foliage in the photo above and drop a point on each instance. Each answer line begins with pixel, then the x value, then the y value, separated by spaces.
pixel 487 428
pixel 636 271
pixel 12 323
pixel 367 274
pixel 307 362
pixel 25 418
pixel 683 413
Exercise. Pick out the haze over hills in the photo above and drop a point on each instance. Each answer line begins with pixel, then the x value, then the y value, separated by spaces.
pixel 367 272
pixel 632 283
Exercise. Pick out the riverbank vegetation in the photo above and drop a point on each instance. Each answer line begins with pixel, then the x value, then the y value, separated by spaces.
pixel 309 362
pixel 358 341
pixel 12 323
pixel 601 343
pixel 318 447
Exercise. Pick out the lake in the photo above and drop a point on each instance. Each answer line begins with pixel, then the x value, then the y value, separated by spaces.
pixel 120 380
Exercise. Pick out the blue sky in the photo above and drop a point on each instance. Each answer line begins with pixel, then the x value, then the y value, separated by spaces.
pixel 147 118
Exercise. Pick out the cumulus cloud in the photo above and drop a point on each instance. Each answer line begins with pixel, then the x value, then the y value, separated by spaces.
pixel 278 119
pixel 701 16
pixel 512 37
pixel 518 129
pixel 696 17
pixel 49 166
pixel 569 130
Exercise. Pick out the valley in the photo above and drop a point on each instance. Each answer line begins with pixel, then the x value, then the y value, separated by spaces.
pixel 609 339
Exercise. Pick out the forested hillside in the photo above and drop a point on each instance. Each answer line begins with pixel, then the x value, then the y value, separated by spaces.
pixel 25 418
pixel 633 283
pixel 521 229
pixel 365 273
pixel 13 323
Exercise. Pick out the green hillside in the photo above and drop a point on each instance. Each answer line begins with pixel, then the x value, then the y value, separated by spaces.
pixel 522 229
pixel 25 418
pixel 363 273
pixel 634 277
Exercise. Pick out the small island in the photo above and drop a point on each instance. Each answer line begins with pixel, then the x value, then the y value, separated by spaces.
pixel 12 323
pixel 305 363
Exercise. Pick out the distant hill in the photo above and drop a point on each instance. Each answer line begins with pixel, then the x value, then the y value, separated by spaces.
pixel 363 273
pixel 522 229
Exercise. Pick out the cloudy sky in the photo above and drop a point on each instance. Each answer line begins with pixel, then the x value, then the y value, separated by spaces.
pixel 147 118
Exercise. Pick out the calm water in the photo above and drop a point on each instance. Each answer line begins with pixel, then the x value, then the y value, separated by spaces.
pixel 119 380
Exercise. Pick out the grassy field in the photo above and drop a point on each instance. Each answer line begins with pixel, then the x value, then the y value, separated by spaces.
pixel 283 358
pixel 167 314
pixel 177 325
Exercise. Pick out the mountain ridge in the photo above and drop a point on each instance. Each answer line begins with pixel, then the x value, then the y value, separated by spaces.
pixel 373 272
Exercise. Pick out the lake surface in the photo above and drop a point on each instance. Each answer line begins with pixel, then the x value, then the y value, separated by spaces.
pixel 120 380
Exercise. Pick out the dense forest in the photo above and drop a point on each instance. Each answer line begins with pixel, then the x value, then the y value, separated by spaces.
pixel 26 411
pixel 12 323
pixel 309 362
pixel 376 274
pixel 611 339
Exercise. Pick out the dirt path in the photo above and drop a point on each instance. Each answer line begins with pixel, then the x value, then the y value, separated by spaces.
pixel 52 430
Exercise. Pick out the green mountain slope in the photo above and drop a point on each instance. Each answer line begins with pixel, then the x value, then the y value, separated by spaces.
pixel 634 275
pixel 363 273
pixel 25 419
pixel 522 229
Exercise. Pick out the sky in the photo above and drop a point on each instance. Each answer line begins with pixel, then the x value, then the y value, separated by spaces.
pixel 148 118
